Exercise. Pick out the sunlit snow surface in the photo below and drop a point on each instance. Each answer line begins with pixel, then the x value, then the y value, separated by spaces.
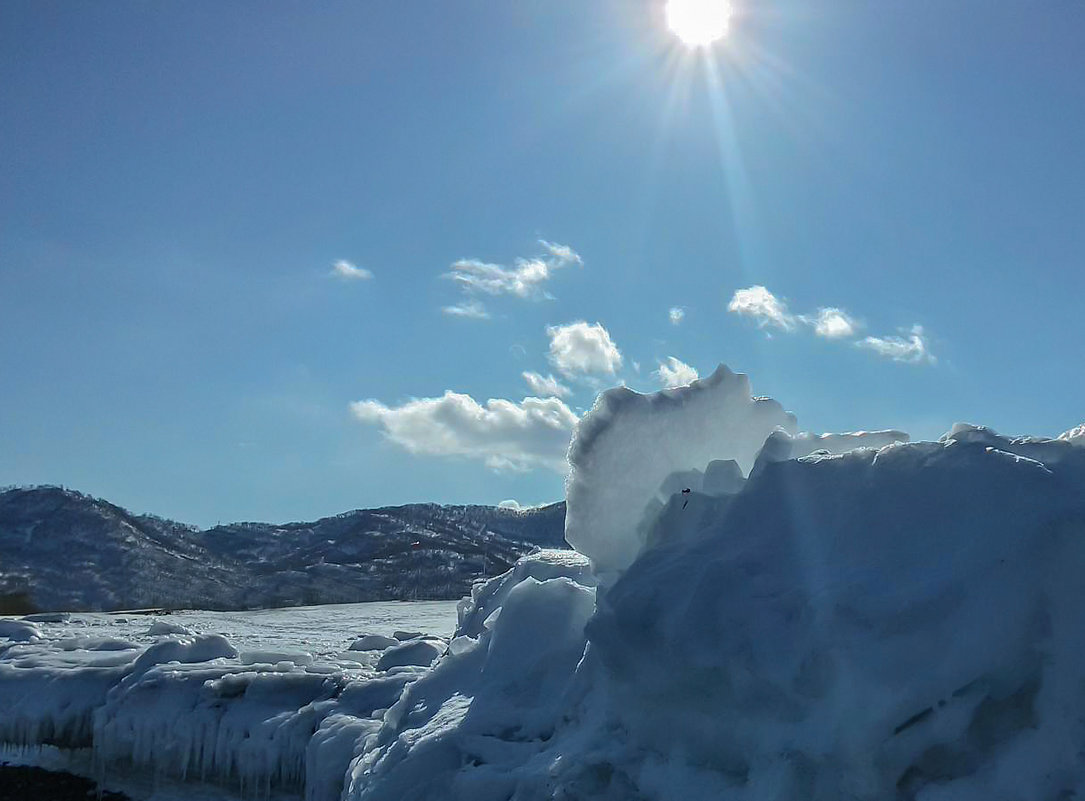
pixel 317 629
pixel 753 614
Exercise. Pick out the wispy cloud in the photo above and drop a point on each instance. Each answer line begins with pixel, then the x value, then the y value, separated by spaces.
pixel 757 303
pixel 350 272
pixel 525 279
pixel 912 347
pixel 545 386
pixel 675 373
pixel 469 309
pixel 676 315
pixel 505 435
pixel 582 349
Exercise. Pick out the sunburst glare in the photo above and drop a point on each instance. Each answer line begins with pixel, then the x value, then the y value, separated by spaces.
pixel 698 23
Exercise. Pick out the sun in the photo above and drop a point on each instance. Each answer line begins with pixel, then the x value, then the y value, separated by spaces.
pixel 698 23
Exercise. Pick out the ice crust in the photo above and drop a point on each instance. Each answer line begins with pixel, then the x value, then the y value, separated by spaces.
pixel 814 617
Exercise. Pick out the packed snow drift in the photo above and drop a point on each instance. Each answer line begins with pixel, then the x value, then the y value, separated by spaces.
pixel 752 613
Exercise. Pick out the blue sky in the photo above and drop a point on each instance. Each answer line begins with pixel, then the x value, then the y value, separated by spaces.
pixel 178 182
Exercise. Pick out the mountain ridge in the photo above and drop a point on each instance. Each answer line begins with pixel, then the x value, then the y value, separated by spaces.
pixel 61 549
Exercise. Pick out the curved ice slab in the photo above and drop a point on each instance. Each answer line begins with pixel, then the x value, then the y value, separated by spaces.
pixel 628 444
pixel 632 452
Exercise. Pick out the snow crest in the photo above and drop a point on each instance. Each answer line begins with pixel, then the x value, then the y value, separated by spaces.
pixel 632 452
pixel 629 443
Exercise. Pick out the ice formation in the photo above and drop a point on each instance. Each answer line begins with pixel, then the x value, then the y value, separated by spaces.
pixel 629 444
pixel 751 615
pixel 160 627
pixel 632 452
pixel 19 630
pixel 373 642
pixel 417 652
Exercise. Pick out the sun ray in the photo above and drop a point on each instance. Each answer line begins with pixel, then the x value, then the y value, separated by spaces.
pixel 744 223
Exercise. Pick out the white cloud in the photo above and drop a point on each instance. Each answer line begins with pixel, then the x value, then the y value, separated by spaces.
pixel 764 307
pixel 351 272
pixel 675 373
pixel 506 435
pixel 676 315
pixel 510 503
pixel 545 386
pixel 579 348
pixel 833 323
pixel 912 347
pixel 470 309
pixel 525 279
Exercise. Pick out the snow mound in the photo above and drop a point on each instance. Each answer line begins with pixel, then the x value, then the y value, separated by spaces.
pixel 19 630
pixel 373 642
pixel 185 650
pixel 477 613
pixel 475 723
pixel 292 658
pixel 628 445
pixel 48 617
pixel 95 644
pixel 161 628
pixel 632 452
pixel 415 653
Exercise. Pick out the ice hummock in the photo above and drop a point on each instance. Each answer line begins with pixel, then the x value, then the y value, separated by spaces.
pixel 753 614
pixel 632 452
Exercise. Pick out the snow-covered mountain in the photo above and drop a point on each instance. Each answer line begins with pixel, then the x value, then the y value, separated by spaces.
pixel 61 549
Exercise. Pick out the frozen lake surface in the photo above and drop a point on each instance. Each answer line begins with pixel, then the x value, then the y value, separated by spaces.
pixel 320 630
pixel 325 632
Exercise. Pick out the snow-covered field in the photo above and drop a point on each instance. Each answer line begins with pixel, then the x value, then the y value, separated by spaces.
pixel 752 614
pixel 320 630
